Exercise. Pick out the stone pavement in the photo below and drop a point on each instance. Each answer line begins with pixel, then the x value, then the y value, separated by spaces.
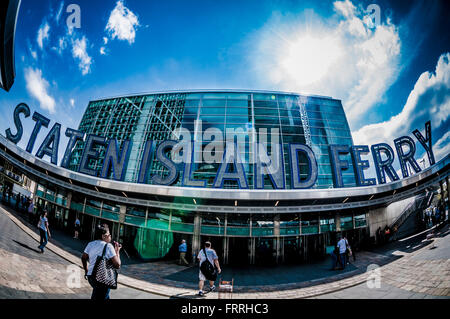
pixel 25 273
pixel 165 279
pixel 420 274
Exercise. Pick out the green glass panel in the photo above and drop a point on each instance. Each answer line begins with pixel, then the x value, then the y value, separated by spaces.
pixel 347 225
pixel 152 244
pixel 135 220
pixel 360 223
pixel 92 211
pixel 76 206
pixel 243 231
pixel 310 229
pixel 325 228
pixel 40 193
pixel 212 230
pixel 110 215
pixel 157 224
pixel 266 231
pixel 289 231
pixel 189 228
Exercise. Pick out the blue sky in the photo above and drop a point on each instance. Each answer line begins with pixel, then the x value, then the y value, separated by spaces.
pixel 392 77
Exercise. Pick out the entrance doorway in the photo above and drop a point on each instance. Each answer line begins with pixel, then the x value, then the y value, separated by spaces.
pixel 265 253
pixel 238 251
pixel 292 250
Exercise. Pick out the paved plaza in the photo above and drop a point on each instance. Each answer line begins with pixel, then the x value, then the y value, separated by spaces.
pixel 413 268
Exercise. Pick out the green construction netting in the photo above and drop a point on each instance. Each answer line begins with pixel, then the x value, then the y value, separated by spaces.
pixel 152 243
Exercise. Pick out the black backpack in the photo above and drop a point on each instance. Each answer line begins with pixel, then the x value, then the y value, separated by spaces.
pixel 207 269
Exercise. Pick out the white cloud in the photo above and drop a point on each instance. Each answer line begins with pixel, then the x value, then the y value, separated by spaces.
pixel 43 33
pixel 122 23
pixel 339 56
pixel 105 40
pixel 102 51
pixel 429 100
pixel 33 54
pixel 62 45
pixel 442 147
pixel 72 102
pixel 37 87
pixel 58 14
pixel 79 52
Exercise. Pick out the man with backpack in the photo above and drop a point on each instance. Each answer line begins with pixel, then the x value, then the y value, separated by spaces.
pixel 209 267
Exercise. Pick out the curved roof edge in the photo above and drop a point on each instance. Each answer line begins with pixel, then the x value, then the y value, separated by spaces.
pixel 211 91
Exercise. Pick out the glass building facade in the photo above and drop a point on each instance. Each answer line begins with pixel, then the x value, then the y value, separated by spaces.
pixel 245 226
pixel 151 226
pixel 249 117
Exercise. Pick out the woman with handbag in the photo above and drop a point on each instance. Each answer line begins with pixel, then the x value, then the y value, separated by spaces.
pixel 103 259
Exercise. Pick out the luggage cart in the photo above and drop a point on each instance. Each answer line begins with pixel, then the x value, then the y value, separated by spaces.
pixel 226 289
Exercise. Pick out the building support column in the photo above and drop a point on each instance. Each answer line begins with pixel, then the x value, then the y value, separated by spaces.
pixel 252 250
pixel 122 212
pixel 337 221
pixel 225 240
pixel 252 240
pixel 276 232
pixel 69 200
pixel 353 220
pixel 196 237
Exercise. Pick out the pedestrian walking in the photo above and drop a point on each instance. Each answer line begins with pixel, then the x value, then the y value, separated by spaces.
pixel 17 200
pixel 100 247
pixel 342 245
pixel 4 193
pixel 44 231
pixel 437 215
pixel 30 211
pixel 77 228
pixel 335 258
pixel 378 235
pixel 348 251
pixel 182 250
pixel 208 258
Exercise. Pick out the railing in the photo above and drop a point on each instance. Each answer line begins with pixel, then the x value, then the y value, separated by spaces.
pixel 418 204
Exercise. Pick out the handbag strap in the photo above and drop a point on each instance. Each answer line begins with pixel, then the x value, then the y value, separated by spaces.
pixel 104 250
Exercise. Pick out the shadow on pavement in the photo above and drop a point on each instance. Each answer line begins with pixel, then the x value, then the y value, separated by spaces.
pixel 26 246
pixel 264 276
pixel 187 296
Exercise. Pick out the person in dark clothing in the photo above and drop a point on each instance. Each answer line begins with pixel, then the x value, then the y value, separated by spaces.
pixel 44 231
pixel 379 237
pixel 335 258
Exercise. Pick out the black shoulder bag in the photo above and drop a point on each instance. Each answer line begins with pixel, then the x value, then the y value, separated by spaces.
pixel 104 273
pixel 207 269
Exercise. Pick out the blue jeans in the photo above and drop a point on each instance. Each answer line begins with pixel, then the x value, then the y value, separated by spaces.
pixel 343 260
pixel 44 239
pixel 334 260
pixel 98 293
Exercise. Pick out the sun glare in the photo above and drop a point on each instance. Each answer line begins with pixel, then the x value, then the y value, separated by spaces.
pixel 307 59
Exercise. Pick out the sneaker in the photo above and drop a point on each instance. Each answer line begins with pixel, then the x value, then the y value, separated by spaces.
pixel 212 288
pixel 201 293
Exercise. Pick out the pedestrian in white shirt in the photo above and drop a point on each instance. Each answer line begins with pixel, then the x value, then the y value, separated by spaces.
pixel 342 245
